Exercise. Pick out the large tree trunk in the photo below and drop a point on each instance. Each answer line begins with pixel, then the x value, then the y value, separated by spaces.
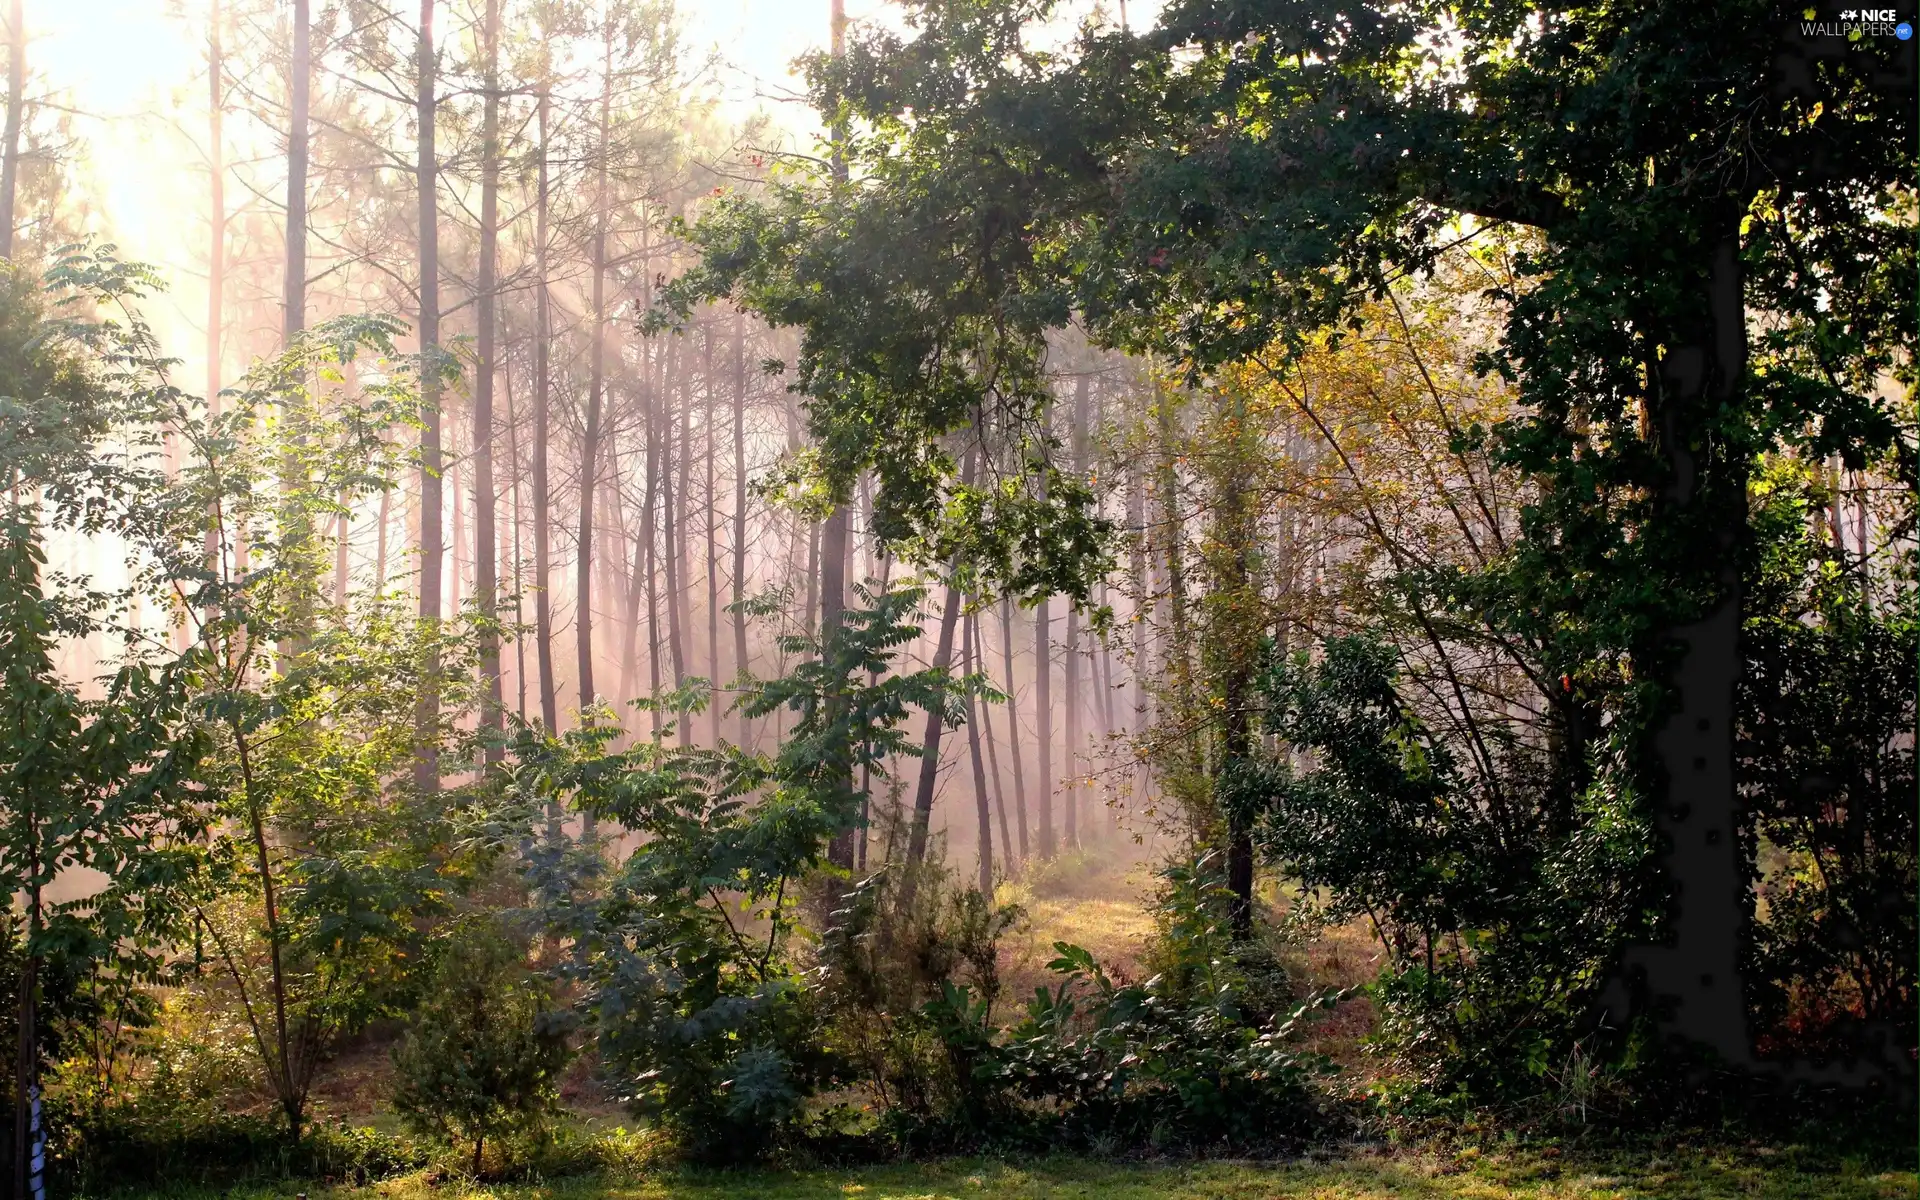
pixel 485 566
pixel 16 112
pixel 1692 981
pixel 542 405
pixel 1235 630
pixel 426 773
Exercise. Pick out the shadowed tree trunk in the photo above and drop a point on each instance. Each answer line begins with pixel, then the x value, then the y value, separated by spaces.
pixel 993 758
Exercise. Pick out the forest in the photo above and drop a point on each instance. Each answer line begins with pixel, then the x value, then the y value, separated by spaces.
pixel 1283 598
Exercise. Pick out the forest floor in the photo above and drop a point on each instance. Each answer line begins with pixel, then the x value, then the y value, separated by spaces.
pixel 1104 911
pixel 1537 1174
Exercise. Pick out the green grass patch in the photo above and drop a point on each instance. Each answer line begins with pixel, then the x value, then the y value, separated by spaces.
pixel 1467 1175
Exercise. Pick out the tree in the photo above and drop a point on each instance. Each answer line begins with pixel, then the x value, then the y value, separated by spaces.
pixel 483 1056
pixel 103 785
pixel 1247 176
pixel 426 774
pixel 16 113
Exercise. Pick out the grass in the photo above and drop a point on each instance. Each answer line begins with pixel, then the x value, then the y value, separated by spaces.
pixel 1535 1174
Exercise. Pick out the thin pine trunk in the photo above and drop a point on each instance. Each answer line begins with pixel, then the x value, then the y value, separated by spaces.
pixel 486 567
pixel 426 774
pixel 740 507
pixel 216 199
pixel 711 521
pixel 590 444
pixel 16 110
pixel 542 404
pixel 1013 727
pixel 982 810
pixel 993 758
pixel 519 589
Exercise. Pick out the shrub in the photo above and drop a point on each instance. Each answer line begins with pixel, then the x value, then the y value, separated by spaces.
pixel 486 1049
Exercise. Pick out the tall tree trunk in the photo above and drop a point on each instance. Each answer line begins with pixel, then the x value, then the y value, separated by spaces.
pixel 542 406
pixel 936 724
pixel 981 808
pixel 740 506
pixel 675 519
pixel 590 441
pixel 1070 794
pixel 1043 723
pixel 519 616
pixel 16 112
pixel 710 520
pixel 1070 764
pixel 293 310
pixel 1173 553
pixel 1107 725
pixel 216 208
pixel 1013 727
pixel 426 773
pixel 993 757
pixel 1142 589
pixel 1236 608
pixel 485 566
pixel 26 1065
pixel 832 558
pixel 651 546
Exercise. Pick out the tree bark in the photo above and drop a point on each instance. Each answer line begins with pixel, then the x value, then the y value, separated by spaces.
pixel 426 773
pixel 590 441
pixel 710 521
pixel 1043 723
pixel 1013 726
pixel 936 724
pixel 740 507
pixel 518 528
pixel 993 759
pixel 542 405
pixel 16 112
pixel 293 311
pixel 981 808
pixel 485 566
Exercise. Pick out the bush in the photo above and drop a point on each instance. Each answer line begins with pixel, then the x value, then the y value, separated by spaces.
pixel 120 1148
pixel 486 1049
pixel 1197 1057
